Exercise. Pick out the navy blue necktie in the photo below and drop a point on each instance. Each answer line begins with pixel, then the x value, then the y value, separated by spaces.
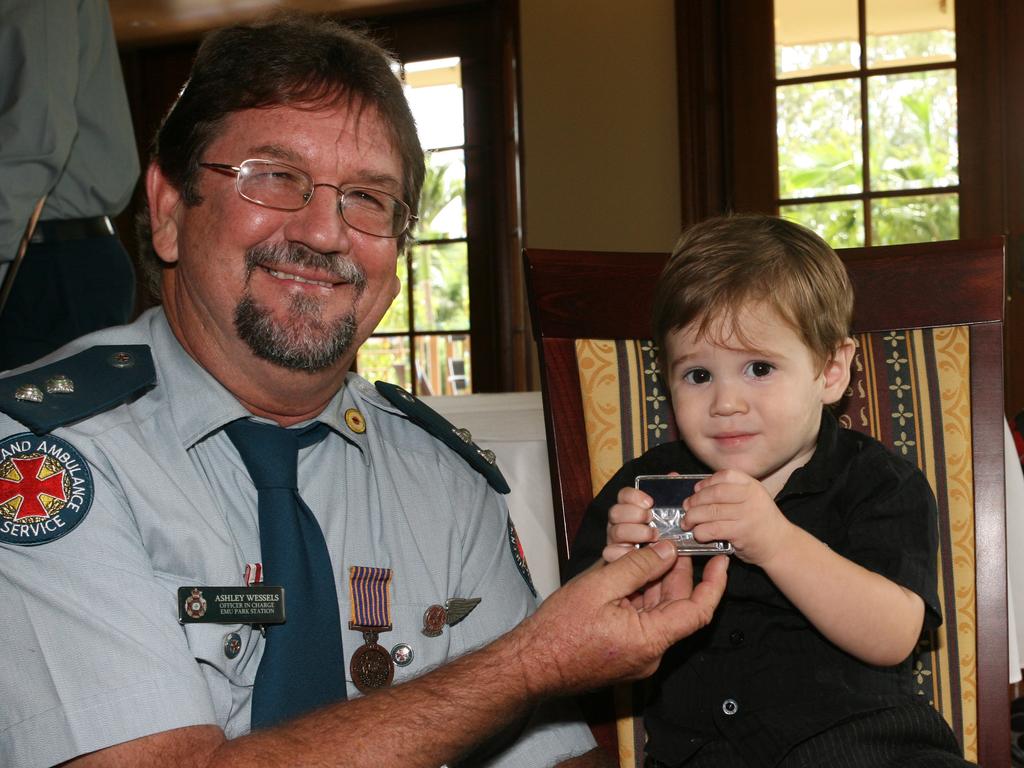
pixel 303 666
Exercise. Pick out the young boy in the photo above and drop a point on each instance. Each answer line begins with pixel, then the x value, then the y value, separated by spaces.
pixel 807 661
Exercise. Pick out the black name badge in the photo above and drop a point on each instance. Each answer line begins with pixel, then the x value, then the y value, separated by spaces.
pixel 231 605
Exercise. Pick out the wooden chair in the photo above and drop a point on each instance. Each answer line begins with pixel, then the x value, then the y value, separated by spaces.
pixel 927 381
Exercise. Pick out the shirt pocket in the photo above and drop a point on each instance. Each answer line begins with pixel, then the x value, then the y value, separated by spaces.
pixel 228 656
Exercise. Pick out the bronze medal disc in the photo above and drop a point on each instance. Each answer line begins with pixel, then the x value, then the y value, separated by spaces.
pixel 434 619
pixel 371 668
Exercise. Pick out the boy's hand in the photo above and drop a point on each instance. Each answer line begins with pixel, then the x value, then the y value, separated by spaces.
pixel 732 506
pixel 628 524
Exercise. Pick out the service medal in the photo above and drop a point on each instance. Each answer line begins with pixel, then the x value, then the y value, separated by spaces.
pixel 371 666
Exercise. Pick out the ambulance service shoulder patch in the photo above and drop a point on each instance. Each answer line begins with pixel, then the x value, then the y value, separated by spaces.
pixel 46 489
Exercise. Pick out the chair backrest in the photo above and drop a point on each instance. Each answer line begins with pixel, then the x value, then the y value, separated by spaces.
pixel 927 381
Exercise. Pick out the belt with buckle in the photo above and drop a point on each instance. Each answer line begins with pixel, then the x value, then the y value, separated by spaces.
pixel 62 230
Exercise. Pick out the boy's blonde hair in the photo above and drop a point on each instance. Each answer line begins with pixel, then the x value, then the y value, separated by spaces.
pixel 724 264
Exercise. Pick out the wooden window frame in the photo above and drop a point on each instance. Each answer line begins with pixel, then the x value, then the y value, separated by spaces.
pixel 726 76
pixel 484 36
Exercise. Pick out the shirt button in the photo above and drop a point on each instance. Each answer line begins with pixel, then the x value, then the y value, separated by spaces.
pixel 736 637
pixel 730 707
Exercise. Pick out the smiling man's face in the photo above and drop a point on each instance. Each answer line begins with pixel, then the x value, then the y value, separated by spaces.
pixel 303 338
pixel 300 289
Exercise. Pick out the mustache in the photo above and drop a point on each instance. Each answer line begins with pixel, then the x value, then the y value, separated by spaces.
pixel 340 267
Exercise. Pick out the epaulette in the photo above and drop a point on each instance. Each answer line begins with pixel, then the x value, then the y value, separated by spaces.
pixel 76 387
pixel 459 440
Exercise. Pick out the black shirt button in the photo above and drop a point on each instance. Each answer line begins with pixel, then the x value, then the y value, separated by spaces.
pixel 730 707
pixel 736 637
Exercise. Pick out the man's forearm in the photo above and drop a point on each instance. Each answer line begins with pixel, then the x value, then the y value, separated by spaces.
pixel 432 719
pixel 585 635
pixel 427 721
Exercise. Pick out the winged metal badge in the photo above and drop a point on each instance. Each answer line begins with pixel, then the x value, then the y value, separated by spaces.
pixel 458 608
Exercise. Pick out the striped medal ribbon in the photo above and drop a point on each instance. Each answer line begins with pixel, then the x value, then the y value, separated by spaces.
pixel 369 591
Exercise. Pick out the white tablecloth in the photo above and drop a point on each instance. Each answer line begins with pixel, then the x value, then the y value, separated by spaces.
pixel 512 425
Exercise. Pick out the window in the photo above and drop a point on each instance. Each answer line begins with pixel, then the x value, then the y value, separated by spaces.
pixel 728 83
pixel 866 119
pixel 459 325
pixel 423 343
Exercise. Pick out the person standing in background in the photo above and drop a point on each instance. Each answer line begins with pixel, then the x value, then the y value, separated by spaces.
pixel 66 139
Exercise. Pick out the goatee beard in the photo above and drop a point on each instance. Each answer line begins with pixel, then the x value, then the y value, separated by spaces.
pixel 304 341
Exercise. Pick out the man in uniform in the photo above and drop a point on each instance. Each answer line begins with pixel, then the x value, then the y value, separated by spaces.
pixel 211 532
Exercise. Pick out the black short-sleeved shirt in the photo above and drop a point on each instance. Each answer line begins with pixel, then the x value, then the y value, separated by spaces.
pixel 760 675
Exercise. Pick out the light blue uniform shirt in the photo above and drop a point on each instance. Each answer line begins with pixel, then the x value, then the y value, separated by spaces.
pixel 94 652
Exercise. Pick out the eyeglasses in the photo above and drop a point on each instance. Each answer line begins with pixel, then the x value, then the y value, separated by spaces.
pixel 285 187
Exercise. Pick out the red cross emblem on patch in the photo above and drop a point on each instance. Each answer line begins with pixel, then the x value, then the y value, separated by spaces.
pixel 46 489
pixel 36 490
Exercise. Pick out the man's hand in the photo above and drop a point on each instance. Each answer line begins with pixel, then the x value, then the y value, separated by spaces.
pixel 588 634
pixel 732 506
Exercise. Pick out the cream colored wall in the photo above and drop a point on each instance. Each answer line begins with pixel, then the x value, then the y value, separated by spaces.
pixel 599 124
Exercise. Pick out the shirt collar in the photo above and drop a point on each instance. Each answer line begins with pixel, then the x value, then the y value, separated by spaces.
pixel 199 404
pixel 817 474
pixel 347 415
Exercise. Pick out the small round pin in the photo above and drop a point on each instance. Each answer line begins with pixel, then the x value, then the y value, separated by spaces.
pixel 121 360
pixel 232 644
pixel 402 654
pixel 434 619
pixel 355 421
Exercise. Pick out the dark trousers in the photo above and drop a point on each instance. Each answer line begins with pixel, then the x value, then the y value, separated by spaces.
pixel 64 290
pixel 902 737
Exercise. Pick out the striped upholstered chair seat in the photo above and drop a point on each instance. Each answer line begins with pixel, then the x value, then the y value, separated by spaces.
pixel 926 381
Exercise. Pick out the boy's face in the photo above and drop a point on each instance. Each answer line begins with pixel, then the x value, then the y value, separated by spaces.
pixel 751 400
